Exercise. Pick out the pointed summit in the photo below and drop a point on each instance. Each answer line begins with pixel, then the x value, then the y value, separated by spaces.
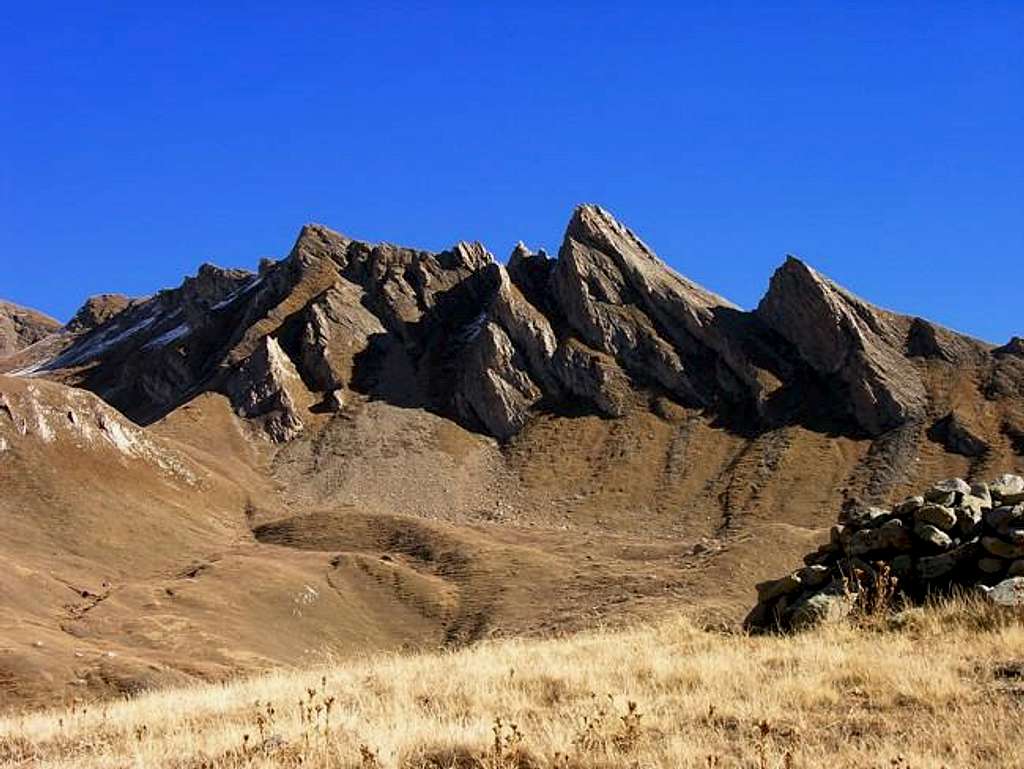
pixel 596 229
pixel 606 326
pixel 840 335
pixel 622 300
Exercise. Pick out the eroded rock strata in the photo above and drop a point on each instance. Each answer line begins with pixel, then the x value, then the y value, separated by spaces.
pixel 604 326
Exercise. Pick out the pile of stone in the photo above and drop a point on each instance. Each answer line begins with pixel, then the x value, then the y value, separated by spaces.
pixel 955 534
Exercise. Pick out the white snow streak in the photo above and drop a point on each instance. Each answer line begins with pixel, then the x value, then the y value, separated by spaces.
pixel 169 336
pixel 235 294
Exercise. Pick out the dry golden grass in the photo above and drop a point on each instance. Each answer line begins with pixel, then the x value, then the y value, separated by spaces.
pixel 939 687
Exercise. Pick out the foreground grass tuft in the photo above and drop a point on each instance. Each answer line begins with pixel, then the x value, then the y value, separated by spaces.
pixel 939 686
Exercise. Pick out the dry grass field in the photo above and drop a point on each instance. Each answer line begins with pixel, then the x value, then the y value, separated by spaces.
pixel 941 686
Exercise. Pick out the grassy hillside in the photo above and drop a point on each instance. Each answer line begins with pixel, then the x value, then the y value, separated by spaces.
pixel 938 687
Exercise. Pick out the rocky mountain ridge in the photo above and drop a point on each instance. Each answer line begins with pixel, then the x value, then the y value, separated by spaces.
pixel 366 446
pixel 602 326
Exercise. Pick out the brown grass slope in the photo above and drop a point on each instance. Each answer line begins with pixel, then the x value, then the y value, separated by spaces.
pixel 392 527
pixel 936 687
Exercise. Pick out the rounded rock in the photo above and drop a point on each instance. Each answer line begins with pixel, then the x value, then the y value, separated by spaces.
pixel 814 575
pixel 774 588
pixel 895 537
pixel 1002 549
pixel 1009 592
pixel 1004 518
pixel 1006 484
pixel 818 609
pixel 933 536
pixel 939 516
pixel 991 565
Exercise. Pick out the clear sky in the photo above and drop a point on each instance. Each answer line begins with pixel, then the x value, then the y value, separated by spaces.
pixel 883 142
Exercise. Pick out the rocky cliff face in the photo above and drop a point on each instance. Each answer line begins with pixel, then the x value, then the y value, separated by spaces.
pixel 606 326
pixel 21 327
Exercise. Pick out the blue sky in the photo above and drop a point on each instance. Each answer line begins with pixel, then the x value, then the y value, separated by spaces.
pixel 883 142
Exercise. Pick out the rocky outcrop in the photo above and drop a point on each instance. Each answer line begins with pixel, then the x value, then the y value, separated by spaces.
pixel 844 338
pixel 605 327
pixel 21 327
pixel 957 435
pixel 95 311
pixel 953 535
pixel 927 340
pixel 495 387
pixel 620 299
pixel 267 386
pixel 1014 347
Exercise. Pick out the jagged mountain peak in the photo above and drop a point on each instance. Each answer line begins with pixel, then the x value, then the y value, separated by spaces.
pixel 606 325
pixel 329 423
pixel 318 240
pixel 616 248
pixel 821 318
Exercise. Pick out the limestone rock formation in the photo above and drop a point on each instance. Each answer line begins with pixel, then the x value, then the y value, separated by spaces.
pixel 442 447
pixel 843 337
pixel 266 385
pixel 620 299
pixel 605 327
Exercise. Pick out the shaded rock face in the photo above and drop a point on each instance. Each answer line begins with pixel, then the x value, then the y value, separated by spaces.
pixel 267 386
pixel 21 327
pixel 605 327
pixel 957 436
pixel 620 299
pixel 955 535
pixel 842 337
pixel 1014 347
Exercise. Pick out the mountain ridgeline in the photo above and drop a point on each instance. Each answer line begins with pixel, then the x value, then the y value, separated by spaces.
pixel 370 447
pixel 604 327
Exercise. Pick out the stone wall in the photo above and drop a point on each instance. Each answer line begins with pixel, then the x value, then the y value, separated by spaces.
pixel 953 535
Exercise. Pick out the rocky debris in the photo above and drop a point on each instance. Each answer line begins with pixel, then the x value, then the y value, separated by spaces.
pixel 955 534
pixel 95 311
pixel 21 327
